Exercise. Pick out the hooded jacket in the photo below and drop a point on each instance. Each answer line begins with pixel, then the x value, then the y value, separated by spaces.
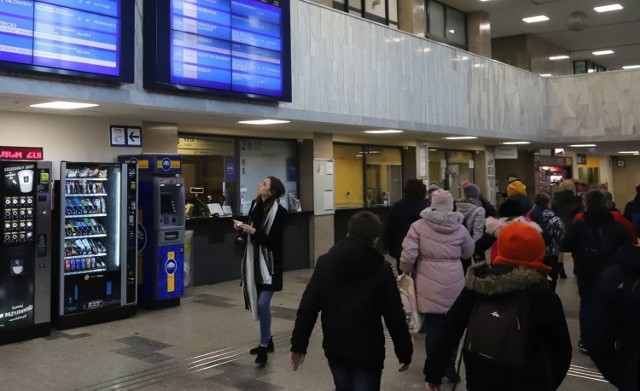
pixel 474 216
pixel 548 347
pixel 566 205
pixel 354 288
pixel 613 331
pixel 432 250
pixel 617 216
pixel 602 224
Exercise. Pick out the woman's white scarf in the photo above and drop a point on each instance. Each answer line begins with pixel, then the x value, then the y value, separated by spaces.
pixel 265 259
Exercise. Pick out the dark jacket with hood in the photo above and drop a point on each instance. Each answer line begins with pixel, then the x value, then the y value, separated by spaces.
pixel 632 212
pixel 354 288
pixel 596 223
pixel 566 205
pixel 401 215
pixel 613 332
pixel 548 348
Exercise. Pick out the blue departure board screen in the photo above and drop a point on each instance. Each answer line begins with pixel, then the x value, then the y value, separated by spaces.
pixel 235 47
pixel 74 37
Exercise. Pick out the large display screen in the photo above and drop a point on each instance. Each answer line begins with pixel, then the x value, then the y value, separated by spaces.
pixel 91 38
pixel 233 47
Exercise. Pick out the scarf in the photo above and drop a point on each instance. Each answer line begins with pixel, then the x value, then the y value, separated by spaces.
pixel 257 267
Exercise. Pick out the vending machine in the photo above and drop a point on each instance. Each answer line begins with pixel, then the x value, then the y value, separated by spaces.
pixel 161 229
pixel 25 250
pixel 96 226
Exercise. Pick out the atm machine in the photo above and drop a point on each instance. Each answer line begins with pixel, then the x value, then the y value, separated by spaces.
pixel 161 226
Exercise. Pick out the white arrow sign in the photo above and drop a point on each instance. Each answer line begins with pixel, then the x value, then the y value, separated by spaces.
pixel 134 137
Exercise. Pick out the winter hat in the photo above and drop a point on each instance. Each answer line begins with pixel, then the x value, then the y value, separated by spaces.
pixel 516 188
pixel 510 208
pixel 471 191
pixel 464 184
pixel 521 244
pixel 442 199
pixel 567 185
pixel 433 186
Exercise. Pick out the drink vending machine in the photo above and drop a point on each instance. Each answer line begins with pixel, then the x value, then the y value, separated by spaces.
pixel 95 274
pixel 161 229
pixel 25 250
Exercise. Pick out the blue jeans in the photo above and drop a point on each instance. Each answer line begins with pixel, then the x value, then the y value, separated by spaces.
pixel 585 291
pixel 353 379
pixel 264 315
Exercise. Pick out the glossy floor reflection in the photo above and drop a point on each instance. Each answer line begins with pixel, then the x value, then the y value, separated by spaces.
pixel 204 344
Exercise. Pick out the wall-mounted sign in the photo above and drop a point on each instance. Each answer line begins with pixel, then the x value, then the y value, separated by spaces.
pixel 125 136
pixel 21 153
pixel 581 159
pixel 506 152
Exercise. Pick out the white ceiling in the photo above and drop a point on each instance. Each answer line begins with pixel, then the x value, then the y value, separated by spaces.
pixel 616 30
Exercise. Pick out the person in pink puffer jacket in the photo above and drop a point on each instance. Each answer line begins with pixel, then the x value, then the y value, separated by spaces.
pixel 431 251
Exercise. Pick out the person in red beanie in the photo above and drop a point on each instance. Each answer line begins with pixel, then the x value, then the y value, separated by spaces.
pixel 518 269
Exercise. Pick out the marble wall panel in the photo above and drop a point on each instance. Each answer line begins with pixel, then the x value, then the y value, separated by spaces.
pixel 602 105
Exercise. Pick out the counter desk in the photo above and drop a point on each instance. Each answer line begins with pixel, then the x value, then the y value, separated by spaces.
pixel 215 256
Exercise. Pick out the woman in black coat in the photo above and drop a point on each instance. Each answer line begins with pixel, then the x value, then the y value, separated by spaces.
pixel 402 214
pixel 262 264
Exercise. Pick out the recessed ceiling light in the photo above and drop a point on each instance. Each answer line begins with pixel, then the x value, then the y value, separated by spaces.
pixel 629 152
pixel 631 67
pixel 60 105
pixel 452 31
pixel 515 142
pixel 535 19
pixel 460 138
pixel 264 122
pixel 554 58
pixel 582 145
pixel 602 52
pixel 545 74
pixel 387 131
pixel 607 8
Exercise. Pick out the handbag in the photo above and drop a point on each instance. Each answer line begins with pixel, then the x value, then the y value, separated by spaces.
pixel 409 303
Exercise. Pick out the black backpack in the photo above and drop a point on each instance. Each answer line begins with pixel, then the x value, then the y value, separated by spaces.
pixel 596 246
pixel 498 328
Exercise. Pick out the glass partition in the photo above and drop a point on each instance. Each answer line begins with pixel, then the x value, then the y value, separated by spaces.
pixel 384 175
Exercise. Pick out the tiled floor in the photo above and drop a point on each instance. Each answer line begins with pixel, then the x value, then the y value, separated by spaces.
pixel 203 345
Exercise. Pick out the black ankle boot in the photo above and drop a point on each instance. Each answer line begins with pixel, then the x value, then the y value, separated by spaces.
pixel 254 351
pixel 261 357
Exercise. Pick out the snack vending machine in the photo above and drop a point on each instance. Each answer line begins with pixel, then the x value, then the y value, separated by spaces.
pixel 25 250
pixel 96 273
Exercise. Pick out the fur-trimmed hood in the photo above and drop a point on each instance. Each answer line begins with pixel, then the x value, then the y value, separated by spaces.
pixel 500 279
pixel 493 225
pixel 441 216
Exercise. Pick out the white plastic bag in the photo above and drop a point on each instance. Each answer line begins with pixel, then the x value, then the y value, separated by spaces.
pixel 409 302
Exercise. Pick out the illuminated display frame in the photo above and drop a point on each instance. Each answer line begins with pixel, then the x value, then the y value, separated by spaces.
pixel 157 53
pixel 21 153
pixel 126 58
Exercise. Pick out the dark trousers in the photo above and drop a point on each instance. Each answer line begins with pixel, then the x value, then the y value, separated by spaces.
pixel 585 290
pixel 353 379
pixel 432 324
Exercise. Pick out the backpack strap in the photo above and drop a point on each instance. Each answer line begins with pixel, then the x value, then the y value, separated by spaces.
pixel 527 215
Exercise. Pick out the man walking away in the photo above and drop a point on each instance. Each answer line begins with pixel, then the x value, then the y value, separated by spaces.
pixel 632 211
pixel 354 288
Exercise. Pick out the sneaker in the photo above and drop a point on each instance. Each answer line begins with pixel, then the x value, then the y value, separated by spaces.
pixel 255 350
pixel 261 357
pixel 582 348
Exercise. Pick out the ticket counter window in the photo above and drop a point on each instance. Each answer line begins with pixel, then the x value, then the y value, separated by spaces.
pixel 450 168
pixel 260 158
pixel 383 170
pixel 208 168
pixel 349 176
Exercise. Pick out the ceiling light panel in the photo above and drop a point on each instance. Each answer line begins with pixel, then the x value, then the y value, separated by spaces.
pixel 608 8
pixel 583 145
pixel 387 131
pixel 264 122
pixel 461 138
pixel 61 105
pixel 631 67
pixel 535 19
pixel 555 58
pixel 516 142
pixel 603 52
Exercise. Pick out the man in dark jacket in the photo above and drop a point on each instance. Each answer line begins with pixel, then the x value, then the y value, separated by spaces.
pixel 354 288
pixel 517 270
pixel 613 333
pixel 632 211
pixel 566 204
pixel 593 242
pixel 402 214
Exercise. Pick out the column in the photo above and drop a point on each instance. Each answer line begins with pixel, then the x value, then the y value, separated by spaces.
pixel 322 228
pixel 412 17
pixel 159 138
pixel 479 33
